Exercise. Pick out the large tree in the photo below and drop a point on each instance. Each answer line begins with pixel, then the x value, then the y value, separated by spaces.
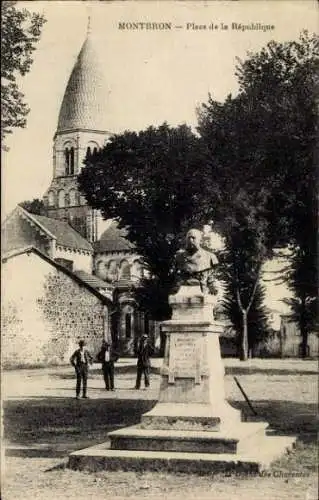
pixel 244 225
pixel 245 230
pixel 152 183
pixel 283 83
pixel 302 277
pixel 266 137
pixel 240 211
pixel 20 32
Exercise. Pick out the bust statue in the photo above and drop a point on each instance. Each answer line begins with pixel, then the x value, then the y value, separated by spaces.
pixel 194 265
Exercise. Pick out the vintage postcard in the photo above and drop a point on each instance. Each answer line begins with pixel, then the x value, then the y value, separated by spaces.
pixel 158 338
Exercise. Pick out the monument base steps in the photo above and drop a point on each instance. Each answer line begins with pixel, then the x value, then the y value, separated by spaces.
pixel 237 440
pixel 192 428
pixel 254 460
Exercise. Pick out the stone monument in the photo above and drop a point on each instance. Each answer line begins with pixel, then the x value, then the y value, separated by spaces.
pixel 192 427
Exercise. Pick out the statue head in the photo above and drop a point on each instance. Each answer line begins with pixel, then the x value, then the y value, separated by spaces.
pixel 193 240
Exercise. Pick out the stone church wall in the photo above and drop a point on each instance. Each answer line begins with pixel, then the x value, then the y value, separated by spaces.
pixel 81 260
pixel 45 312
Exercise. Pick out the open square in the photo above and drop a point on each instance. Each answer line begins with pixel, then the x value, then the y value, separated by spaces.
pixel 44 423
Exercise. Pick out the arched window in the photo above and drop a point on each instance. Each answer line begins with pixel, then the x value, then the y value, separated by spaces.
pixel 146 324
pixel 125 270
pixel 61 199
pixel 100 269
pixel 112 271
pixel 72 198
pixel 128 325
pixel 137 270
pixel 92 148
pixel 51 199
pixel 72 161
pixel 69 160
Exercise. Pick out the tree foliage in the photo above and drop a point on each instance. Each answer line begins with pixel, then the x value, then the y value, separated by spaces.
pixel 20 32
pixel 302 277
pixel 257 319
pixel 35 206
pixel 246 249
pixel 150 182
pixel 281 83
pixel 267 135
pixel 291 71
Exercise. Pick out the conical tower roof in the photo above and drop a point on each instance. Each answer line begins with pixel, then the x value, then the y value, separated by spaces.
pixel 84 101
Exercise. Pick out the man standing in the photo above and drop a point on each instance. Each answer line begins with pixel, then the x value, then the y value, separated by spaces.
pixel 80 359
pixel 144 351
pixel 107 356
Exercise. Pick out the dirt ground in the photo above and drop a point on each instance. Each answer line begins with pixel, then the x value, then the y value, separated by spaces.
pixel 43 423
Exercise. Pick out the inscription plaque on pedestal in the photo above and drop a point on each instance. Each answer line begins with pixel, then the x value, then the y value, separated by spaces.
pixel 184 360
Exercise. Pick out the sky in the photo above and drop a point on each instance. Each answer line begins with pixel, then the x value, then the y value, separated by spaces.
pixel 152 76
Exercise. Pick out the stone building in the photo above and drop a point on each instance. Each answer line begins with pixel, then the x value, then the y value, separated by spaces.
pixel 46 308
pixel 55 238
pixel 70 233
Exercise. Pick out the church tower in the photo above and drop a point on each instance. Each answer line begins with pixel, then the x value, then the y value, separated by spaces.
pixel 81 131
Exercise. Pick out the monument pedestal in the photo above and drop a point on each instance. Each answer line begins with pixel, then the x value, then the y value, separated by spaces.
pixel 192 422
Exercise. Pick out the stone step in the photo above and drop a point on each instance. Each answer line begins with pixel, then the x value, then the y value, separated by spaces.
pixel 100 457
pixel 234 440
pixel 190 416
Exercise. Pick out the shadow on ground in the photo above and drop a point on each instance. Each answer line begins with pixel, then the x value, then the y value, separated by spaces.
pixel 54 427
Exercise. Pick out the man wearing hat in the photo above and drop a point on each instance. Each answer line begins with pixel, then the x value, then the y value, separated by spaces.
pixel 107 356
pixel 144 351
pixel 80 359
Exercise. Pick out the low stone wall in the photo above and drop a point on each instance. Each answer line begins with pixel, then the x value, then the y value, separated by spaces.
pixel 273 346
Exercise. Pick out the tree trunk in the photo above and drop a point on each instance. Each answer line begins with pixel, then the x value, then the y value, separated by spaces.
pixel 245 311
pixel 303 330
pixel 304 342
pixel 244 340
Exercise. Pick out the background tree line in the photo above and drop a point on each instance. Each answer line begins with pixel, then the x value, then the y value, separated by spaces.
pixel 250 168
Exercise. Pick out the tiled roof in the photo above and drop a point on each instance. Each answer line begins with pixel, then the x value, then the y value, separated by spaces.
pixel 103 297
pixel 114 240
pixel 91 279
pixel 65 235
pixel 84 101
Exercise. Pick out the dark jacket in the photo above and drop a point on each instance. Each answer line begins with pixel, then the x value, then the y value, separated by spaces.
pixel 114 356
pixel 75 359
pixel 144 351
